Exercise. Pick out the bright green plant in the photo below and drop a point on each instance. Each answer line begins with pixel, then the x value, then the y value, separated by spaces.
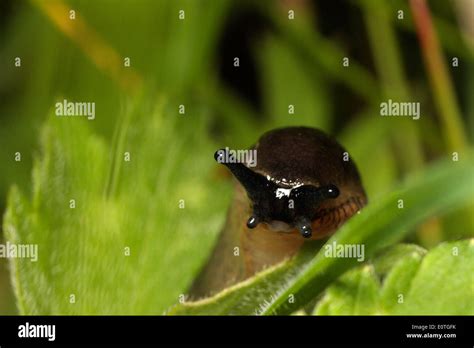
pixel 104 203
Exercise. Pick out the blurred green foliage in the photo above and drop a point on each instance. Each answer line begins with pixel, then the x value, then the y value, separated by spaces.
pixel 139 230
pixel 178 63
pixel 416 284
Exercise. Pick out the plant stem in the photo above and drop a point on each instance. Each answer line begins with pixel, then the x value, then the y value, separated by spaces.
pixel 440 80
pixel 390 68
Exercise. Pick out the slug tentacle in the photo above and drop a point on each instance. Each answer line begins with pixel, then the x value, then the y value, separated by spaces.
pixel 304 226
pixel 253 221
pixel 255 184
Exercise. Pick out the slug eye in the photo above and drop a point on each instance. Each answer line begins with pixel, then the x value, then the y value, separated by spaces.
pixel 304 226
pixel 332 191
pixel 219 156
pixel 252 222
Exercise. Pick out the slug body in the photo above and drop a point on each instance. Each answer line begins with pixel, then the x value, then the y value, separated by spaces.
pixel 304 186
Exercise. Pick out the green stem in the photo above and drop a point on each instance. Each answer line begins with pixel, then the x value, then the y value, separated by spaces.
pixel 389 66
pixel 440 80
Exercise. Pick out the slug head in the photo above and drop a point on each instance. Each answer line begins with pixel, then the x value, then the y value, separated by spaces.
pixel 303 178
pixel 294 206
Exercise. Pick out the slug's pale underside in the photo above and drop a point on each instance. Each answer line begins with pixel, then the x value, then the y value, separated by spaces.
pixel 304 186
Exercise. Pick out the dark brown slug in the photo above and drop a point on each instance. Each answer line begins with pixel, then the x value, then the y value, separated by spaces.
pixel 304 186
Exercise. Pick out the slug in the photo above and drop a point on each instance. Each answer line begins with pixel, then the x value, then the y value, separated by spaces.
pixel 304 186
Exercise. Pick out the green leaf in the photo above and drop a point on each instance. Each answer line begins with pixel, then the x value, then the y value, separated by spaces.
pixel 379 225
pixel 399 278
pixel 444 283
pixel 119 206
pixel 440 283
pixel 393 267
pixel 387 259
pixel 355 293
pixel 252 295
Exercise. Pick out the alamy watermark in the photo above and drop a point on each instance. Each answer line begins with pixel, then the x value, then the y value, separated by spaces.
pixel 67 108
pixel 356 251
pixel 393 108
pixel 28 330
pixel 227 155
pixel 22 251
